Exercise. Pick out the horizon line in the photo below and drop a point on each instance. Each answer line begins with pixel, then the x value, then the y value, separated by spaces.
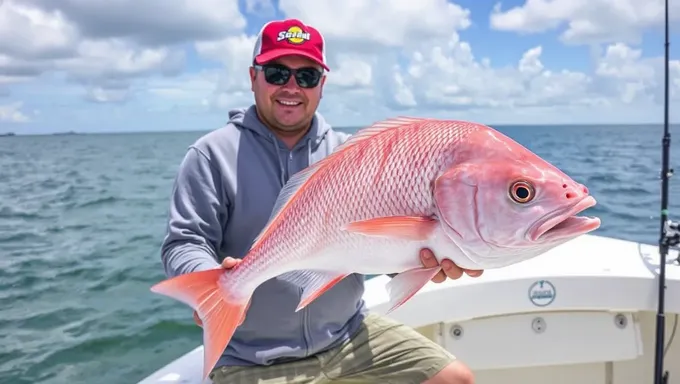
pixel 10 133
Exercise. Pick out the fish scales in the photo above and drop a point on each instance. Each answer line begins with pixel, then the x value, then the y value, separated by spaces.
pixel 353 187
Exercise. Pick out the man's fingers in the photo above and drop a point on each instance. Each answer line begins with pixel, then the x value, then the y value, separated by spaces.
pixel 230 262
pixel 429 261
pixel 449 268
pixel 452 270
pixel 439 277
pixel 474 272
pixel 427 258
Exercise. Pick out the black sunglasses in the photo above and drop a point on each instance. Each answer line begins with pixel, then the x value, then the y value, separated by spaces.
pixel 278 74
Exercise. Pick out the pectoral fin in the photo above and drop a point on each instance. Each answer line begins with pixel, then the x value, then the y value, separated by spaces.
pixel 404 227
pixel 406 284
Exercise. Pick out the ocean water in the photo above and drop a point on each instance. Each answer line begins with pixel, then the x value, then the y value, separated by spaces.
pixel 82 219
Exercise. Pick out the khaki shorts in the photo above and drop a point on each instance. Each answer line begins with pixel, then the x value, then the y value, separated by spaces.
pixel 382 351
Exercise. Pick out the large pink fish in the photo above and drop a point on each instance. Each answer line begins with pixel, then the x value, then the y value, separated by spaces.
pixel 462 189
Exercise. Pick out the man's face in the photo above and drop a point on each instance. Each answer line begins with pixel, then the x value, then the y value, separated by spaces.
pixel 287 108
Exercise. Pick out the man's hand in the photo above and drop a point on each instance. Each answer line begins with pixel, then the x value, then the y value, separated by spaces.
pixel 449 269
pixel 230 262
pixel 227 263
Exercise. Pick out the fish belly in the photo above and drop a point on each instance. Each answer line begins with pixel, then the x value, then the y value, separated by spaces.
pixel 371 255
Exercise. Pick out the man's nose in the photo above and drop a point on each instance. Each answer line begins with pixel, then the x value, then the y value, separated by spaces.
pixel 291 84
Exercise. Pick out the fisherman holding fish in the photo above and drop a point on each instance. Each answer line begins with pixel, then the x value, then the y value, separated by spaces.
pixel 222 198
pixel 309 211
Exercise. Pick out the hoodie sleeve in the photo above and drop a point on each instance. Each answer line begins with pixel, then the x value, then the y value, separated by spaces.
pixel 197 209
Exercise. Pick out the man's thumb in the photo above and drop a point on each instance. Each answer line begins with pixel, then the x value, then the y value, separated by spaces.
pixel 230 262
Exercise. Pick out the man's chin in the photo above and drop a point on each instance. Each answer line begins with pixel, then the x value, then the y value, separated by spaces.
pixel 292 124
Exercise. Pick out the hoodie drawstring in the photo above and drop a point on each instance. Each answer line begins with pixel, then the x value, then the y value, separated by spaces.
pixel 282 168
pixel 309 151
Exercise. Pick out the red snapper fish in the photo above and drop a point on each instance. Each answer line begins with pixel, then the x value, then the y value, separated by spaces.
pixel 462 189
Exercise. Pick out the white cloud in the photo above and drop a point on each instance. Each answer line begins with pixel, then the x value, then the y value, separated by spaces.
pixel 235 53
pixel 148 22
pixel 12 113
pixel 531 61
pixel 104 45
pixel 30 33
pixel 387 58
pixel 586 21
pixel 351 72
pixel 383 22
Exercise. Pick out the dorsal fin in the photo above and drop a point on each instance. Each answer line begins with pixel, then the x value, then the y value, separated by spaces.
pixel 299 179
pixel 377 128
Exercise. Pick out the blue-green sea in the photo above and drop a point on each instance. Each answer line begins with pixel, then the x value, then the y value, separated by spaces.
pixel 82 218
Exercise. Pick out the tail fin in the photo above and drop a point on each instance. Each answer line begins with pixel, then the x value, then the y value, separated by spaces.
pixel 220 315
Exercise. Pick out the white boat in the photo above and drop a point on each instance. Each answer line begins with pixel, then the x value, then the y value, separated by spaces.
pixel 583 312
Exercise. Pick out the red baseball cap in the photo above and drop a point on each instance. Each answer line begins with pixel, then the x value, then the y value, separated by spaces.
pixel 289 37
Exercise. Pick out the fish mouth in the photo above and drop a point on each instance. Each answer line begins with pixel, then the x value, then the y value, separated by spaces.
pixel 565 223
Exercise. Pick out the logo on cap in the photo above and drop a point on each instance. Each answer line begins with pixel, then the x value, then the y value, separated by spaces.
pixel 294 35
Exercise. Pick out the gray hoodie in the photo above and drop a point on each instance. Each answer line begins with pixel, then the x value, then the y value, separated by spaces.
pixel 225 190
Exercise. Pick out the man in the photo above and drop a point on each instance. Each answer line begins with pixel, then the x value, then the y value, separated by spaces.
pixel 222 198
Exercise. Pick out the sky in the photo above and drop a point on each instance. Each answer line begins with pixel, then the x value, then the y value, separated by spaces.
pixel 130 65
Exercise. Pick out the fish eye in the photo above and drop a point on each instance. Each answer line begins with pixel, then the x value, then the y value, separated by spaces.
pixel 522 192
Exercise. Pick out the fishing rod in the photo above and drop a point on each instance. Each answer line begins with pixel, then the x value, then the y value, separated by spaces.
pixel 670 230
